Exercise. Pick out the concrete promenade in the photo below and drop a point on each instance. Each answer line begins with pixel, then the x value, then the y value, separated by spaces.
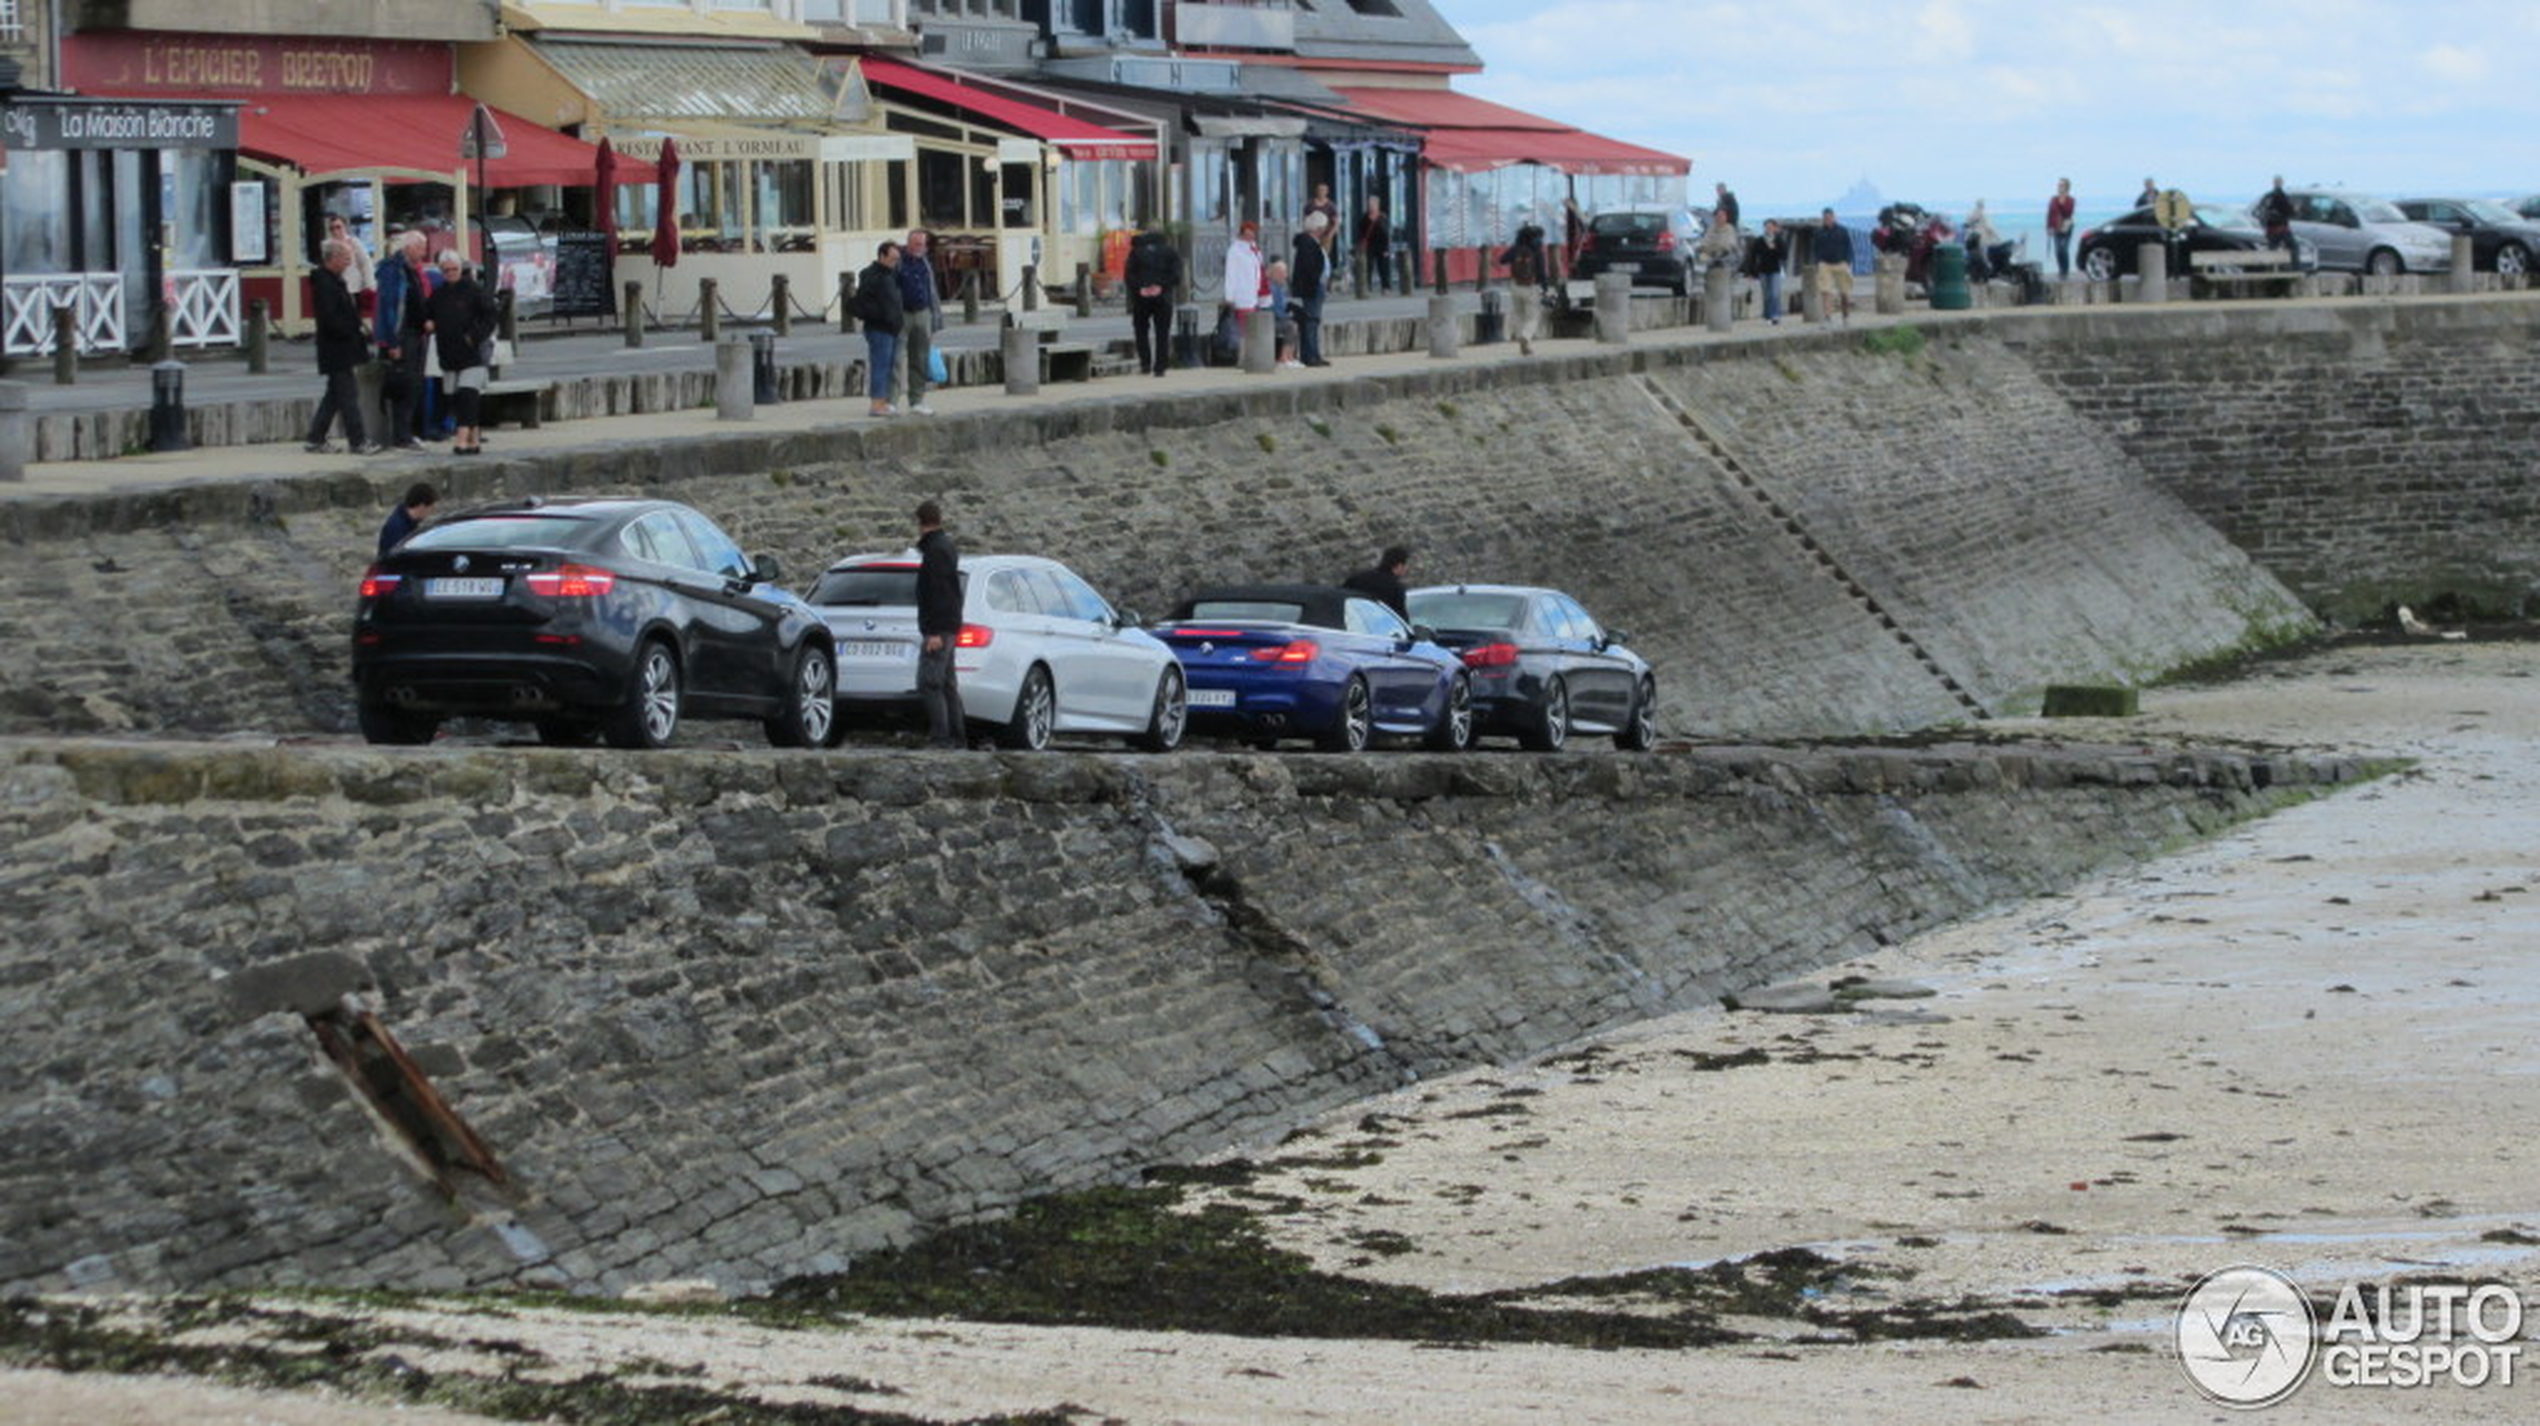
pixel 553 356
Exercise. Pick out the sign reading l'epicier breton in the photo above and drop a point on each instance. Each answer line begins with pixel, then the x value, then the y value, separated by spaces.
pixel 158 62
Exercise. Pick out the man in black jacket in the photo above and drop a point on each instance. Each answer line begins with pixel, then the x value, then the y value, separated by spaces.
pixel 1307 271
pixel 1384 582
pixel 938 628
pixel 342 346
pixel 884 311
pixel 1153 276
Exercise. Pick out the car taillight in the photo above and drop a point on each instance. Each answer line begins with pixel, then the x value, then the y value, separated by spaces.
pixel 376 582
pixel 1301 651
pixel 1667 241
pixel 572 581
pixel 1490 656
pixel 974 636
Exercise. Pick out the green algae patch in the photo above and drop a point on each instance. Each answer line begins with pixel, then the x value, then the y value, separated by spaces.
pixel 1135 1258
pixel 249 1344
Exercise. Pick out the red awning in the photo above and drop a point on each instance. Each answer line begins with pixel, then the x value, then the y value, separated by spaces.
pixel 339 133
pixel 1468 134
pixel 1077 137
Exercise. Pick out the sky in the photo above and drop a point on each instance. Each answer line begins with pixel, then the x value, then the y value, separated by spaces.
pixel 1945 101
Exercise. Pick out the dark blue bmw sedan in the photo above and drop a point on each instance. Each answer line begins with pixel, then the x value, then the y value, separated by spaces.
pixel 1267 662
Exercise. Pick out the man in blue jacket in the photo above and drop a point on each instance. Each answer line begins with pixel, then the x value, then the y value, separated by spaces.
pixel 397 328
pixel 1830 248
pixel 921 316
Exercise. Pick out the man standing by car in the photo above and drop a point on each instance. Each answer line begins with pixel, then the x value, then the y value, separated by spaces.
pixel 1384 582
pixel 2275 214
pixel 938 627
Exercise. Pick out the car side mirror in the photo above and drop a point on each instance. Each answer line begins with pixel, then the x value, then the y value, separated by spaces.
pixel 766 570
pixel 1612 637
pixel 1423 634
pixel 1126 619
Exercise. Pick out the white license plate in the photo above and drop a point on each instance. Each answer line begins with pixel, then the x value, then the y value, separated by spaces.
pixel 470 588
pixel 875 650
pixel 1622 267
pixel 1212 698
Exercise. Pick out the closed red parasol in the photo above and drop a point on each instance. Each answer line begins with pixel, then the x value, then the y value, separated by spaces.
pixel 604 194
pixel 666 205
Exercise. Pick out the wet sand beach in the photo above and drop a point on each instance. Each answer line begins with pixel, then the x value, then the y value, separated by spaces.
pixel 2305 1045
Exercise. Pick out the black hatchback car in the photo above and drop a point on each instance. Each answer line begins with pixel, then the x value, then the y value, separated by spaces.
pixel 1654 247
pixel 589 619
pixel 2501 240
pixel 2108 251
pixel 1542 668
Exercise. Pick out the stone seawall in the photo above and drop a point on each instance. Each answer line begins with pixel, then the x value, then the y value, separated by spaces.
pixel 746 1016
pixel 2364 453
pixel 1806 537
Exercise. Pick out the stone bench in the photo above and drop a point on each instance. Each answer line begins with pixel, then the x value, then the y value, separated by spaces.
pixel 524 401
pixel 1067 361
pixel 2263 268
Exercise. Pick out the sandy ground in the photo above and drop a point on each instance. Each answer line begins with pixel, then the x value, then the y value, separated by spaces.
pixel 2307 1045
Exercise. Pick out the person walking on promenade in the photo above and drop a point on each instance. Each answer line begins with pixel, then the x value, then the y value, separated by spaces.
pixel 412 510
pixel 878 306
pixel 939 629
pixel 1727 203
pixel 342 346
pixel 357 278
pixel 1830 249
pixel 2150 195
pixel 462 322
pixel 2059 227
pixel 1375 239
pixel 1153 276
pixel 1766 255
pixel 1383 581
pixel 397 326
pixel 1308 278
pixel 922 317
pixel 2275 214
pixel 1524 261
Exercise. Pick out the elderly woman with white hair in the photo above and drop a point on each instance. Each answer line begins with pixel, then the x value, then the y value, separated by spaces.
pixel 1309 277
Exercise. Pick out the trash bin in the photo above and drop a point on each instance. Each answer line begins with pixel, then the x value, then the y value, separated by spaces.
pixel 763 368
pixel 1491 323
pixel 1949 290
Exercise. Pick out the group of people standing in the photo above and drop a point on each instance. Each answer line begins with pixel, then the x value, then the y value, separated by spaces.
pixel 897 301
pixel 406 314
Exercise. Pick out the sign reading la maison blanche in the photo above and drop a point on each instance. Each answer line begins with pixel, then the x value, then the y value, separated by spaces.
pixel 117 124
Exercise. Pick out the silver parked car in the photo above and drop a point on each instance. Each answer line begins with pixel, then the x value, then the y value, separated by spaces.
pixel 1040 654
pixel 1542 668
pixel 2356 232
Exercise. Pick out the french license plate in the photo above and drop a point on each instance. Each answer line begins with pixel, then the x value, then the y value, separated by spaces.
pixel 1212 698
pixel 466 588
pixel 1622 267
pixel 872 649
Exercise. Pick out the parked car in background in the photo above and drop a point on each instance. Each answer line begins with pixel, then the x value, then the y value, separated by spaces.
pixel 2528 205
pixel 1268 662
pixel 1542 668
pixel 2356 232
pixel 1040 654
pixel 2112 249
pixel 1654 246
pixel 2500 239
pixel 610 618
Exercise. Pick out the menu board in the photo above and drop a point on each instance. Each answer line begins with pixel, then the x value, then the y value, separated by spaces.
pixel 583 276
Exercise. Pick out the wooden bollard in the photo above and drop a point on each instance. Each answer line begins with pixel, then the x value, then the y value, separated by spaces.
pixel 709 309
pixel 970 296
pixel 780 303
pixel 1084 290
pixel 259 337
pixel 632 314
pixel 65 345
pixel 846 303
pixel 1031 287
pixel 1437 269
